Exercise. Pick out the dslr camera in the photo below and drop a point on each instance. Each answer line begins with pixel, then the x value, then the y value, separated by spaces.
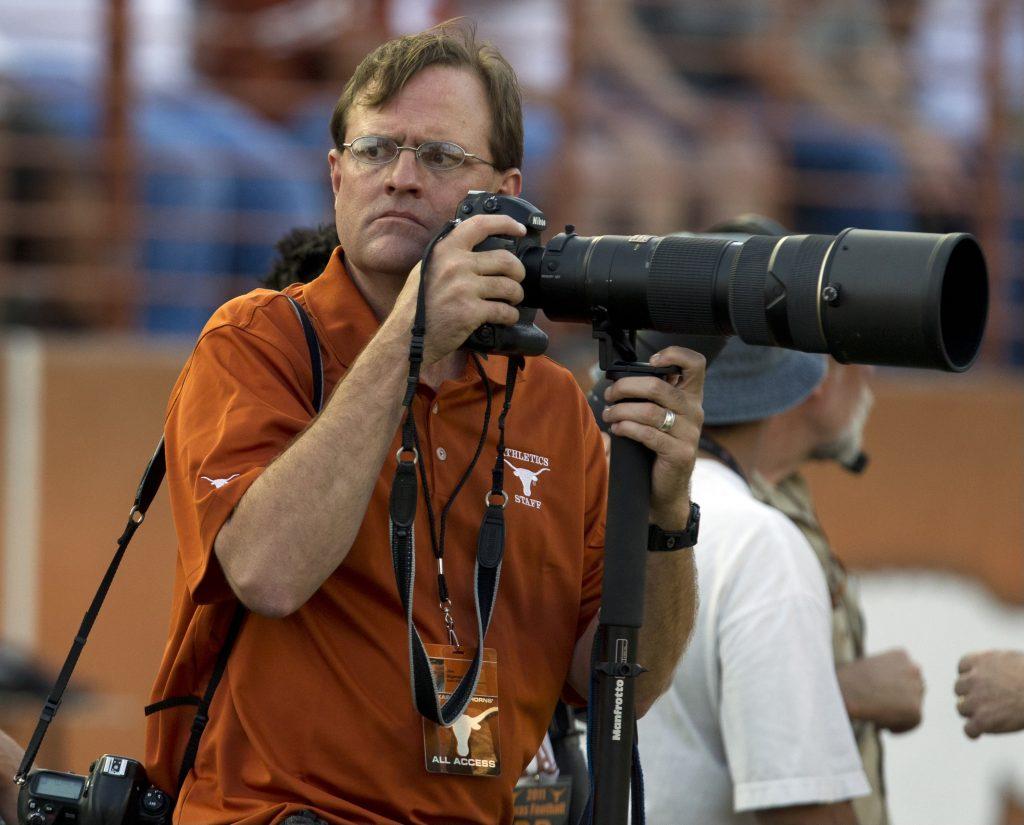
pixel 116 792
pixel 905 299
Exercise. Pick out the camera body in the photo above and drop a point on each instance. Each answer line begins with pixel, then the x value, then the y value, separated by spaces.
pixel 116 792
pixel 524 337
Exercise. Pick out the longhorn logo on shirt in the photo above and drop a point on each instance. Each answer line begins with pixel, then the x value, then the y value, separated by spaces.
pixel 219 482
pixel 528 478
pixel 465 726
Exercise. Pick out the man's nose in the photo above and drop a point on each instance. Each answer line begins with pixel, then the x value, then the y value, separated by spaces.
pixel 404 174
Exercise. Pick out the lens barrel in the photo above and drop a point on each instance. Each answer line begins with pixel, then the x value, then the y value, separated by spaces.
pixel 890 298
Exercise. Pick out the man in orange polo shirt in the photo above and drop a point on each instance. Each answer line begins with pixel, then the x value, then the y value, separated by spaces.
pixel 287 511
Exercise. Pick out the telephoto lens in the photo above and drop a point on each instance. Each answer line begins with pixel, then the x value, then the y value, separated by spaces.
pixel 904 299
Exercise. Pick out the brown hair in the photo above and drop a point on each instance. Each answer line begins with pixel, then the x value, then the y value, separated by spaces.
pixel 385 71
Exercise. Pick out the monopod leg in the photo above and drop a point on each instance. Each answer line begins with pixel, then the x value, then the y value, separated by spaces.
pixel 622 613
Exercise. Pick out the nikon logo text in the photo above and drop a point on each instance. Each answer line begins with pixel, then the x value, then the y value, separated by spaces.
pixel 617 711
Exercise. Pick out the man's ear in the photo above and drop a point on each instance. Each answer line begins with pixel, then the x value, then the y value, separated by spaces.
pixel 334 163
pixel 511 182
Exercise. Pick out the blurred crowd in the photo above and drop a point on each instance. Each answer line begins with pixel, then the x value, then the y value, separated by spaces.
pixel 140 195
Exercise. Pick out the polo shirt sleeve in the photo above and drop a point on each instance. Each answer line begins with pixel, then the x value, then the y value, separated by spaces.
pixel 785 729
pixel 595 468
pixel 242 398
pixel 595 501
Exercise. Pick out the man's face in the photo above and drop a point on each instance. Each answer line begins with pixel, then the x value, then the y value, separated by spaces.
pixel 386 214
pixel 842 411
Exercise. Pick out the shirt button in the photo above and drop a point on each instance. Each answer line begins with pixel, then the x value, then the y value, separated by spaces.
pixel 442 453
pixel 436 409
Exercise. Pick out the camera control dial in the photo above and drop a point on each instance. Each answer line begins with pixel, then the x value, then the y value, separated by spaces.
pixel 154 801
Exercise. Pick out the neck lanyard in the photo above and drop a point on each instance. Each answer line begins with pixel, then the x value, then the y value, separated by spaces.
pixel 437 538
pixel 402 513
pixel 712 447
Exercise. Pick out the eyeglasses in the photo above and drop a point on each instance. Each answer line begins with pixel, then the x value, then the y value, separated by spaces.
pixel 439 155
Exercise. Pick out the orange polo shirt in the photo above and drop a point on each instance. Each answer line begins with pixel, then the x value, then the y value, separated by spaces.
pixel 314 710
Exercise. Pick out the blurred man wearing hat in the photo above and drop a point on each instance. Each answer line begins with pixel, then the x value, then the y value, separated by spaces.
pixel 754 727
pixel 882 691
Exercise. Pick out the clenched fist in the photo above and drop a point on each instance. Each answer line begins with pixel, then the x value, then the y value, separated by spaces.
pixel 886 689
pixel 990 692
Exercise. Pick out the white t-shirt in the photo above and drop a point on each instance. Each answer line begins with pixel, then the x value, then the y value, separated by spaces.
pixel 754 718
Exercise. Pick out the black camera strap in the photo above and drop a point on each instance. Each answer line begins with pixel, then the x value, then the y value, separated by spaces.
pixel 402 517
pixel 152 478
pixel 714 448
pixel 148 486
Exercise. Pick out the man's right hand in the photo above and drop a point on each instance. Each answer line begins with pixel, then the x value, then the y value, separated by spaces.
pixel 886 689
pixel 466 288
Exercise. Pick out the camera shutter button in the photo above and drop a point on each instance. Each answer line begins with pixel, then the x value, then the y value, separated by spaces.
pixel 491 204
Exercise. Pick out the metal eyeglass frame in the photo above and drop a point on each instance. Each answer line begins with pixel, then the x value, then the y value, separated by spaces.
pixel 416 150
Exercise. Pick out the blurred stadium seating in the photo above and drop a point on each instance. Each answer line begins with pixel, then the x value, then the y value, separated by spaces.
pixel 151 152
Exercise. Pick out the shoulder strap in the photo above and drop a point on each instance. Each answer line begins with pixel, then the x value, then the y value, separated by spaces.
pixel 203 705
pixel 203 710
pixel 315 360
pixel 150 483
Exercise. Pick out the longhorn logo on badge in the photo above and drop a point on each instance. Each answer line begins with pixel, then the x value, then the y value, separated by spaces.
pixel 465 726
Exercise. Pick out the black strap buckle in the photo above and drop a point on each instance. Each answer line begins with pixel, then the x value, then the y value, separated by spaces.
pixel 416 348
pixel 199 722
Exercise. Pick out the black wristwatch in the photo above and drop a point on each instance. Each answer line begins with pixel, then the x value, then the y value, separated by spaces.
pixel 664 541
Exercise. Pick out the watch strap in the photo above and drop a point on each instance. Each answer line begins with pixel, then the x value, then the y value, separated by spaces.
pixel 659 540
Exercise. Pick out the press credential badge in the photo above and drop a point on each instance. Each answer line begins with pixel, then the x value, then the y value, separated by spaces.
pixel 470 746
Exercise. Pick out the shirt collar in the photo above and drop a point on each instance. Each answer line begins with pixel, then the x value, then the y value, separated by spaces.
pixel 348 332
pixel 714 467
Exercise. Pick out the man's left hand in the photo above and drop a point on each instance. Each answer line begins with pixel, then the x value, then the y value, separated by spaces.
pixel 642 417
